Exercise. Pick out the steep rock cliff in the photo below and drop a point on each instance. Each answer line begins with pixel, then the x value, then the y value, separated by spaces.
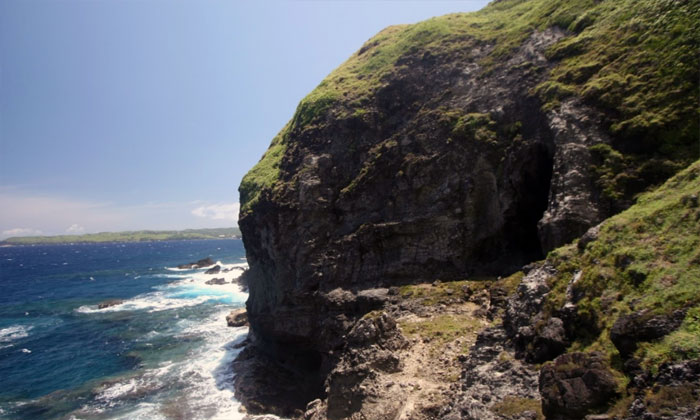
pixel 464 145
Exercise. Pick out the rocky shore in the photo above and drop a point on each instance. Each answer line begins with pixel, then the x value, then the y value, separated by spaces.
pixel 457 350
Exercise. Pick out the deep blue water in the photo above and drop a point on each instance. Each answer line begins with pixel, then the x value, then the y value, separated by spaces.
pixel 162 353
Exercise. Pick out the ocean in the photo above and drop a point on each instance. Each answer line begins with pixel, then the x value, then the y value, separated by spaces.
pixel 164 353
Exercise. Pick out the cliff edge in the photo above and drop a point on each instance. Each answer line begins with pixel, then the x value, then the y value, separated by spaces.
pixel 461 147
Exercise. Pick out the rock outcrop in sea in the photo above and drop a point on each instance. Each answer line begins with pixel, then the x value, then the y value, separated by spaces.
pixel 204 262
pixel 394 227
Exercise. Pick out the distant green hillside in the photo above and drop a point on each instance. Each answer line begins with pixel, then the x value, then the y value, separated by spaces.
pixel 134 236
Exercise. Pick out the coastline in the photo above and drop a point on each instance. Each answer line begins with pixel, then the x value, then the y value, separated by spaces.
pixel 126 237
pixel 160 351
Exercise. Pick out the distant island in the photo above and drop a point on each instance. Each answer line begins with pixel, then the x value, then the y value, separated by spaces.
pixel 130 236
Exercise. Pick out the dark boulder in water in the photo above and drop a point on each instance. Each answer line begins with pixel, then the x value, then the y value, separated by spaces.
pixel 216 281
pixel 237 318
pixel 214 270
pixel 108 303
pixel 205 262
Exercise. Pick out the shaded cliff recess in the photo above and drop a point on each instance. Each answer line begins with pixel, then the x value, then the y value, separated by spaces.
pixel 461 149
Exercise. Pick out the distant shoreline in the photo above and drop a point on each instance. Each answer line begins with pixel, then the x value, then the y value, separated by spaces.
pixel 129 236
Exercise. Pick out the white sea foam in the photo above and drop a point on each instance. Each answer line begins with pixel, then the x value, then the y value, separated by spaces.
pixel 187 290
pixel 12 333
pixel 116 391
pixel 242 265
pixel 154 302
pixel 172 276
pixel 150 381
pixel 143 411
pixel 200 386
pixel 178 269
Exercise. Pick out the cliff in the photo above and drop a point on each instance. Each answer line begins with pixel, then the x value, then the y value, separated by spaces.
pixel 460 147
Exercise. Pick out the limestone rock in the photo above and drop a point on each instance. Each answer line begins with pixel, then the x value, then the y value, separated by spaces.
pixel 575 385
pixel 628 330
pixel 237 318
pixel 490 375
pixel 673 394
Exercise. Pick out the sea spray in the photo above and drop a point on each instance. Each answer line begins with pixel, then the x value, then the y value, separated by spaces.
pixel 161 349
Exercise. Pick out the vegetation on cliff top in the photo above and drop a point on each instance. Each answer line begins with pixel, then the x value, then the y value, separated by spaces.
pixel 634 59
pixel 647 258
pixel 134 236
pixel 644 260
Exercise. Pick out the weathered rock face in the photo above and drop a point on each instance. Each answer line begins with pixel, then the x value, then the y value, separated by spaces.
pixel 445 166
pixel 572 207
pixel 373 340
pixel 413 198
pixel 537 337
pixel 673 394
pixel 490 374
pixel 575 385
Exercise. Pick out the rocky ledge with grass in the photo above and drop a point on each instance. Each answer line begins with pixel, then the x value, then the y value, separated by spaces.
pixel 445 154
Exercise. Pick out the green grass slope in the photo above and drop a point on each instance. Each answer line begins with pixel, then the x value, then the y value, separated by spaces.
pixel 645 258
pixel 636 60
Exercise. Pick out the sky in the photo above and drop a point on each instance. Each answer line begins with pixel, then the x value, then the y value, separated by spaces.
pixel 145 114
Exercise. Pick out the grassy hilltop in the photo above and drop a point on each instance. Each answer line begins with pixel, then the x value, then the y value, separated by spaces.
pixel 636 60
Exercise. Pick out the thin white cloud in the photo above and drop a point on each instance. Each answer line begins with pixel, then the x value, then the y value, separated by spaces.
pixel 52 214
pixel 218 211
pixel 20 232
pixel 75 229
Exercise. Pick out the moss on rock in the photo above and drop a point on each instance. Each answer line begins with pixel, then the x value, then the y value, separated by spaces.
pixel 634 59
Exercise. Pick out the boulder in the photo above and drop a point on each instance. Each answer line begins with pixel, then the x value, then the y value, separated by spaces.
pixel 265 387
pixel 351 388
pixel 216 281
pixel 108 303
pixel 673 394
pixel 214 270
pixel 205 262
pixel 237 318
pixel 576 385
pixel 548 341
pixel 537 338
pixel 591 235
pixel 628 330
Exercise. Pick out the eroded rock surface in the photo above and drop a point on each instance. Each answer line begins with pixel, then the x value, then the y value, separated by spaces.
pixel 575 385
pixel 237 318
pixel 413 199
pixel 441 166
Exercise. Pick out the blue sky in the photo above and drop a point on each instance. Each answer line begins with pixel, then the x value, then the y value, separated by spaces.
pixel 122 114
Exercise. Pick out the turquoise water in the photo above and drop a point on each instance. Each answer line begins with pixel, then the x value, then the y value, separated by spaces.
pixel 164 352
